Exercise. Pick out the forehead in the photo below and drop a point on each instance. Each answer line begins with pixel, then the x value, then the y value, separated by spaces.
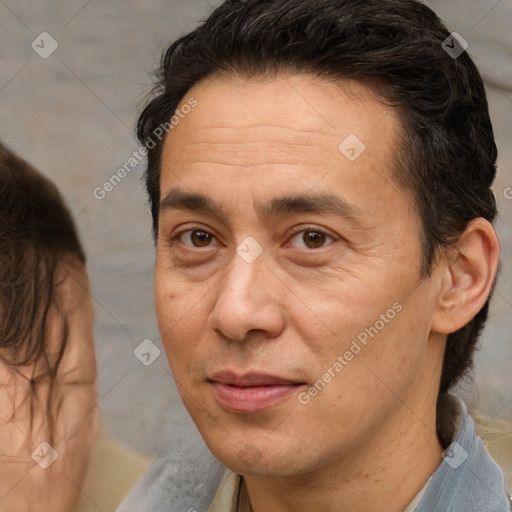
pixel 289 131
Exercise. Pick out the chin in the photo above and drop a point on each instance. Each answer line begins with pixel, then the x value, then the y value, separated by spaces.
pixel 257 455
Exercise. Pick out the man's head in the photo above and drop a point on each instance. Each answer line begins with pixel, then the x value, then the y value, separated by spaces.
pixel 47 370
pixel 296 102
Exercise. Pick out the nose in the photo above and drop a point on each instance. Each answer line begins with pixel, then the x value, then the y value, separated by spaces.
pixel 247 302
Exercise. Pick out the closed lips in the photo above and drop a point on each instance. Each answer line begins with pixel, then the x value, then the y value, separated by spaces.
pixel 251 380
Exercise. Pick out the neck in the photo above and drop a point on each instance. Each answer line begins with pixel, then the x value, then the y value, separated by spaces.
pixel 385 475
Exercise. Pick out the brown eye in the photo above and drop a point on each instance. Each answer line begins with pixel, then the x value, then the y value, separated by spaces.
pixel 196 238
pixel 201 238
pixel 311 239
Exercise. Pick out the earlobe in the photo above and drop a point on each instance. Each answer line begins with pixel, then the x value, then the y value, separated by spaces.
pixel 469 274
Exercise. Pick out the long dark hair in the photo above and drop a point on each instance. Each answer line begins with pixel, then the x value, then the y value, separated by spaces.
pixel 36 232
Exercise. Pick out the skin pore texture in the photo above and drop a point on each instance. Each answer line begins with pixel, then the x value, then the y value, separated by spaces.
pixel 367 440
pixel 25 486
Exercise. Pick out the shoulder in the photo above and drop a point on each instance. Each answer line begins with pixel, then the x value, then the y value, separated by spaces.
pixel 497 436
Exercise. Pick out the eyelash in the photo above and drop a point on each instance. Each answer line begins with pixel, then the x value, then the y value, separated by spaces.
pixel 192 229
pixel 295 232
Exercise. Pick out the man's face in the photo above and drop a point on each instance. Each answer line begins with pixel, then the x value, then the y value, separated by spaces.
pixel 310 256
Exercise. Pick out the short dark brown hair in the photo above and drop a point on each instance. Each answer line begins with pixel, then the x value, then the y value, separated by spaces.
pixel 447 153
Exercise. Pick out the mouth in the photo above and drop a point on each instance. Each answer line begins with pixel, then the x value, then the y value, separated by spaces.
pixel 251 392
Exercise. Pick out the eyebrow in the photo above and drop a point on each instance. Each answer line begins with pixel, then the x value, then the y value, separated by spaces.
pixel 178 199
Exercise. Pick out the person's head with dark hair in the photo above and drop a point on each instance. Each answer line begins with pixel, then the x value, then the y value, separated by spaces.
pixel 319 174
pixel 47 364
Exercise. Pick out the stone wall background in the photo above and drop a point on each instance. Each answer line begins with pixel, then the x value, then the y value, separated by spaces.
pixel 72 116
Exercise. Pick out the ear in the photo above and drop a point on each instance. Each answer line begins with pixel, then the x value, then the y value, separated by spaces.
pixel 468 276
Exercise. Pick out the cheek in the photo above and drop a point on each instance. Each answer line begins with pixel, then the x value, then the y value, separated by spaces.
pixel 181 316
pixel 357 339
pixel 328 319
pixel 77 413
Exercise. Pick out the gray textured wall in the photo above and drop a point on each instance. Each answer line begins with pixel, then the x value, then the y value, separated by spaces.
pixel 72 115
